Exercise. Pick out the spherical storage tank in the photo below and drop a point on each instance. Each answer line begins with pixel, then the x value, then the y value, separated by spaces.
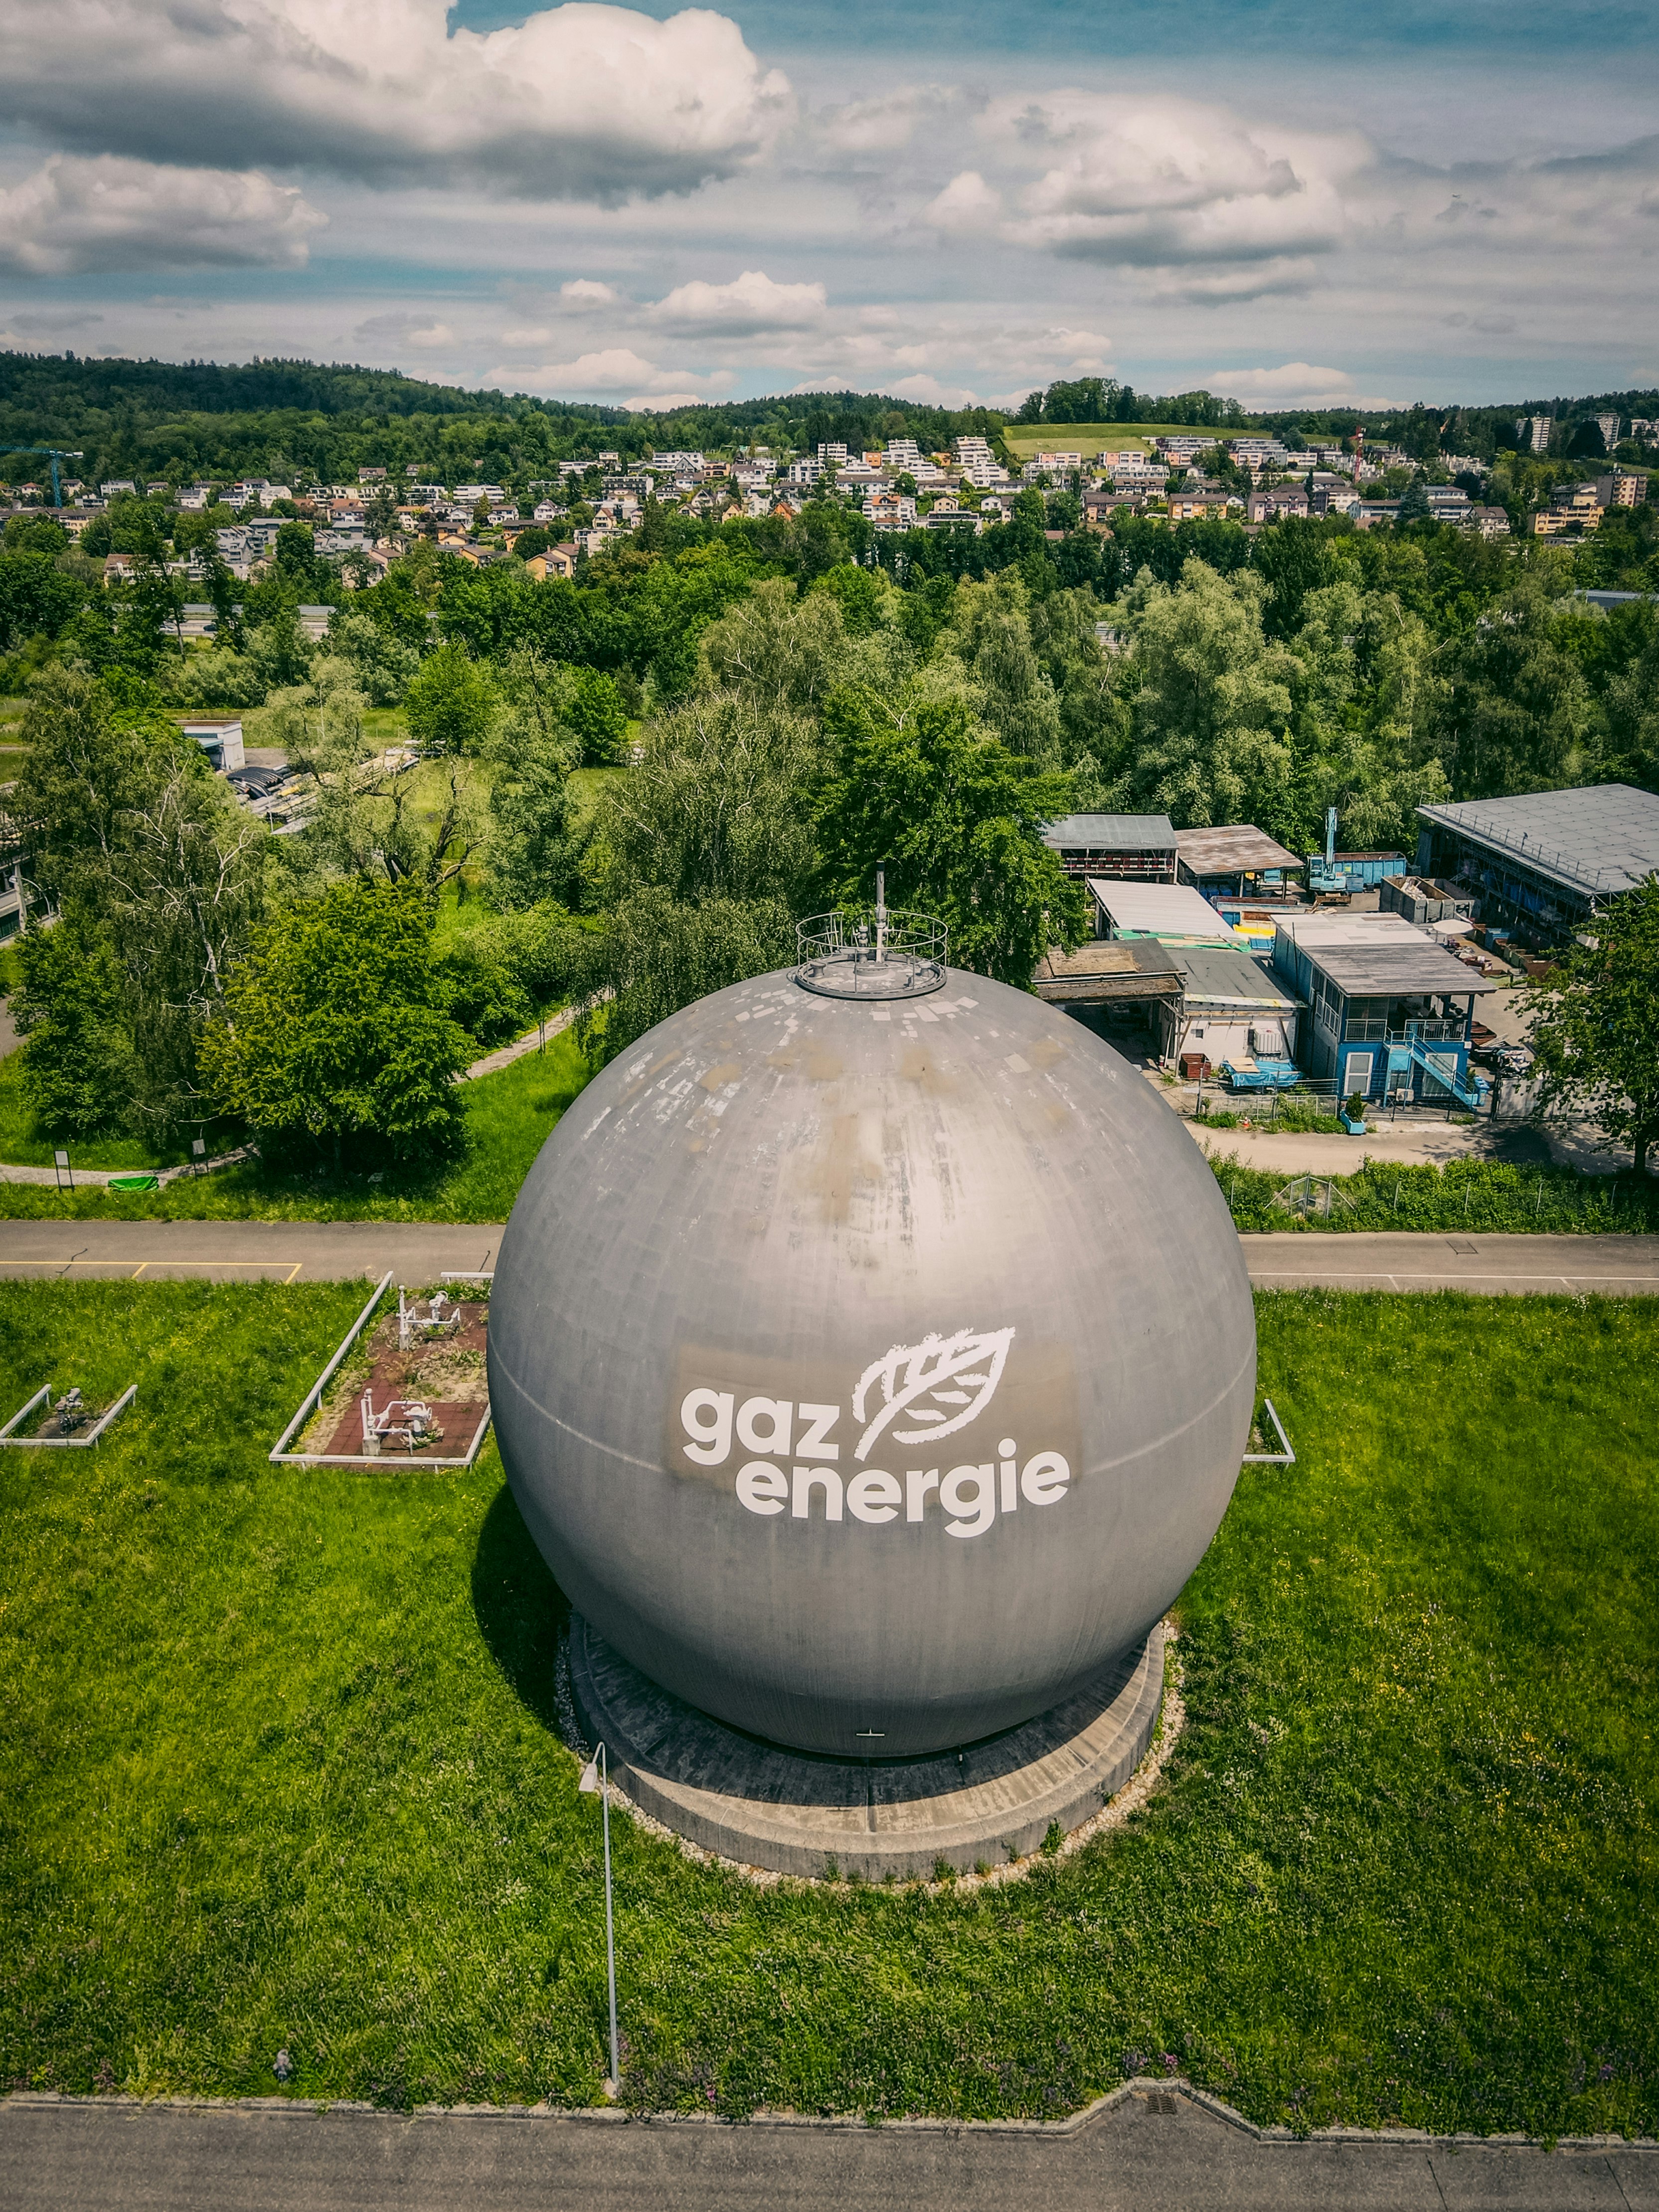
pixel 869 1371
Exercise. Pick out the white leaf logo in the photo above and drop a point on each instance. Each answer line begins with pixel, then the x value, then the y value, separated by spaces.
pixel 940 1384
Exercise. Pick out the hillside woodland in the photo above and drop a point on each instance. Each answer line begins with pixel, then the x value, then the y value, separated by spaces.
pixel 773 706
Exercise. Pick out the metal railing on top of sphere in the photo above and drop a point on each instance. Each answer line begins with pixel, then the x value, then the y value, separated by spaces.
pixel 871 952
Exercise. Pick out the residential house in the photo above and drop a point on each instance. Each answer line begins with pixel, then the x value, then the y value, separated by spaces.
pixel 891 510
pixel 557 560
pixel 948 514
pixel 1624 488
pixel 1200 501
pixel 1572 507
pixel 1274 504
pixel 1490 521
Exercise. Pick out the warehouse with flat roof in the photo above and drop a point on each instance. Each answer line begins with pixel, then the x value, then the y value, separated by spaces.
pixel 1540 863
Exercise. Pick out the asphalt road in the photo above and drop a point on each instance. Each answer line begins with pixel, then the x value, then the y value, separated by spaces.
pixel 1614 1267
pixel 417 1252
pixel 1157 2152
pixel 239 1251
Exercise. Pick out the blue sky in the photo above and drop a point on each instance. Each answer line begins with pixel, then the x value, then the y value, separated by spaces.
pixel 1283 200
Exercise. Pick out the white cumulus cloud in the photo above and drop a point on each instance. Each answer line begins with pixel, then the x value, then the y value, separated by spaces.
pixel 580 101
pixel 405 329
pixel 661 402
pixel 1172 181
pixel 966 203
pixel 106 214
pixel 751 305
pixel 1293 384
pixel 608 372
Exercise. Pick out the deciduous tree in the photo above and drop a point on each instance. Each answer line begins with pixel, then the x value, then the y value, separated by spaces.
pixel 334 1041
pixel 958 817
pixel 1596 1023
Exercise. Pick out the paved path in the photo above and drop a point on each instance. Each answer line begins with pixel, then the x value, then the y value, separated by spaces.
pixel 239 1251
pixel 1338 1260
pixel 1158 2152
pixel 509 1053
pixel 418 1252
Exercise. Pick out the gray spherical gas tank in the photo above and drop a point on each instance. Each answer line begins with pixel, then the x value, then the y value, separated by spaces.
pixel 868 1374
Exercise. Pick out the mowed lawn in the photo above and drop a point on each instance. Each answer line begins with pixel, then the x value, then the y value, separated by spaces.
pixel 278 1769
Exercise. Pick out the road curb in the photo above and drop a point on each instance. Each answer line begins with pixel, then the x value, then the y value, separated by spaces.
pixel 1140 2086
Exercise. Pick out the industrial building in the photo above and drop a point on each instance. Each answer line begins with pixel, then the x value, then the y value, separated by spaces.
pixel 1230 1007
pixel 1541 864
pixel 1139 974
pixel 1390 1011
pixel 1235 861
pixel 1364 872
pixel 1129 847
pixel 1173 913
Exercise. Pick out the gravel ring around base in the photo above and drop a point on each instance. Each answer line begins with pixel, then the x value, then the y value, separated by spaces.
pixel 1171 1720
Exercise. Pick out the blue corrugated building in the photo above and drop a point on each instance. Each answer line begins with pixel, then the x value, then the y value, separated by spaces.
pixel 1390 1012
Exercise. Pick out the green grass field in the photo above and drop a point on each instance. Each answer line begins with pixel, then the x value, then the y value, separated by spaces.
pixel 278 1769
pixel 1091 438
pixel 509 1116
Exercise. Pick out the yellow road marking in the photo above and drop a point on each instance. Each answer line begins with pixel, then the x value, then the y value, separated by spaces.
pixel 139 1269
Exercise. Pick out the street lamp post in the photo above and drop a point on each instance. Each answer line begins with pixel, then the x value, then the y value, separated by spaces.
pixel 596 1779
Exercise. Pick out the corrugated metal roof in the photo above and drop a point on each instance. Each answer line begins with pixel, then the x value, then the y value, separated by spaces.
pixel 1160 910
pixel 1238 847
pixel 1603 838
pixel 1218 975
pixel 1112 833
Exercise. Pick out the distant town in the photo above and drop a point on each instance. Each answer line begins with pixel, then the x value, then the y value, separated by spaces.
pixel 596 500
